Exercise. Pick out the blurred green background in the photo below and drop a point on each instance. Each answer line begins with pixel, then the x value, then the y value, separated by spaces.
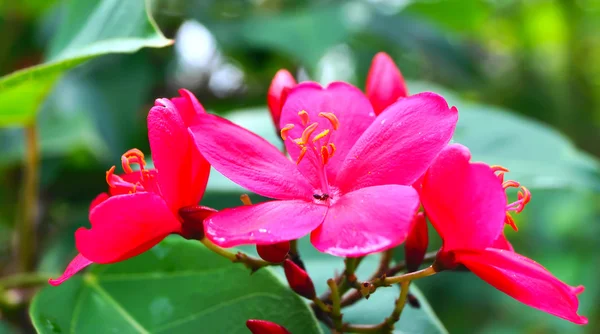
pixel 536 58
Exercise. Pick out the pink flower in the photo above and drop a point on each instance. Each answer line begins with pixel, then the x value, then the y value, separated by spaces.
pixel 144 206
pixel 265 327
pixel 350 175
pixel 466 203
pixel 385 84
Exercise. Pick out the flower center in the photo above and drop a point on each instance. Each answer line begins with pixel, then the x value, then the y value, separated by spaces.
pixel 316 148
pixel 523 196
pixel 133 181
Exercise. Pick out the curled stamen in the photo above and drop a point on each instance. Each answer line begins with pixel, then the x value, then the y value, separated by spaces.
pixel 498 168
pixel 324 154
pixel 510 183
pixel 303 117
pixel 524 197
pixel 109 177
pixel 133 156
pixel 321 135
pixel 332 149
pixel 285 130
pixel 245 199
pixel 510 221
pixel 301 155
pixel 335 123
pixel 308 132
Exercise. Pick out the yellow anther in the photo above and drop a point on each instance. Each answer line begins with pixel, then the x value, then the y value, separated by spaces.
pixel 299 142
pixel 332 149
pixel 301 155
pixel 245 199
pixel 285 130
pixel 133 156
pixel 324 154
pixel 308 132
pixel 335 123
pixel 303 117
pixel 321 135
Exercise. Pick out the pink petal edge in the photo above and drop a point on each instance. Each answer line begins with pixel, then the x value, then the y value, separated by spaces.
pixel 78 263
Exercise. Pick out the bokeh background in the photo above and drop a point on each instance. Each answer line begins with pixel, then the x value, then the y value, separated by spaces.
pixel 536 58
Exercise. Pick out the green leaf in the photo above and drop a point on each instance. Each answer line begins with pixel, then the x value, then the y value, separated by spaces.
pixel 537 155
pixel 176 287
pixel 90 29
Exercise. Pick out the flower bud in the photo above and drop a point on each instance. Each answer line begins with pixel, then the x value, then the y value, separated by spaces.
pixel 299 280
pixel 385 84
pixel 265 327
pixel 282 82
pixel 275 252
pixel 416 243
pixel 193 220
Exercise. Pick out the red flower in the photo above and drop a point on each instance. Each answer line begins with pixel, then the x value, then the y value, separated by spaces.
pixel 144 206
pixel 385 84
pixel 281 84
pixel 350 178
pixel 265 327
pixel 466 203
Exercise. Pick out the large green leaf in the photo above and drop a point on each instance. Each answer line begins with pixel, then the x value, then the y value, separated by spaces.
pixel 537 155
pixel 177 287
pixel 89 29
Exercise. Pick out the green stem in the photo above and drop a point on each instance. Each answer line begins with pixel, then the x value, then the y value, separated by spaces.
pixel 24 280
pixel 250 262
pixel 336 314
pixel 26 227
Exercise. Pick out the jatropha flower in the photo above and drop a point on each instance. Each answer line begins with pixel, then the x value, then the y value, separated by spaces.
pixel 350 174
pixel 143 207
pixel 385 85
pixel 467 205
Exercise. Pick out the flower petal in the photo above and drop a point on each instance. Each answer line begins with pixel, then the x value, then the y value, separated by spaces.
pixel 249 160
pixel 367 220
pixel 281 84
pixel 264 223
pixel 524 280
pixel 502 243
pixel 124 226
pixel 464 201
pixel 400 144
pixel 385 84
pixel 349 105
pixel 99 199
pixel 188 106
pixel 78 263
pixel 183 172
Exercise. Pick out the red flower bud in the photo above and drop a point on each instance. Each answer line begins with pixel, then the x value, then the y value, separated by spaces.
pixel 193 220
pixel 385 84
pixel 416 243
pixel 265 327
pixel 299 280
pixel 282 82
pixel 275 252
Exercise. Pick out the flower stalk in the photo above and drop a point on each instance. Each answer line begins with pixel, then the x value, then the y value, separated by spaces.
pixel 250 262
pixel 30 193
pixel 336 314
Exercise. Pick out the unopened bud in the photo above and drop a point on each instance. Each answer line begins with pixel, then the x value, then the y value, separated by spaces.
pixel 416 244
pixel 281 84
pixel 193 220
pixel 385 84
pixel 265 327
pixel 299 280
pixel 274 253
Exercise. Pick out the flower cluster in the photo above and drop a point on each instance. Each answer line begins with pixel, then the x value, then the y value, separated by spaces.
pixel 361 173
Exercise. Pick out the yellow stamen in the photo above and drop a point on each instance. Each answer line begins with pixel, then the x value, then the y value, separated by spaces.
pixel 332 148
pixel 109 175
pixel 285 130
pixel 324 154
pixel 245 199
pixel 303 117
pixel 321 135
pixel 302 153
pixel 335 123
pixel 308 132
